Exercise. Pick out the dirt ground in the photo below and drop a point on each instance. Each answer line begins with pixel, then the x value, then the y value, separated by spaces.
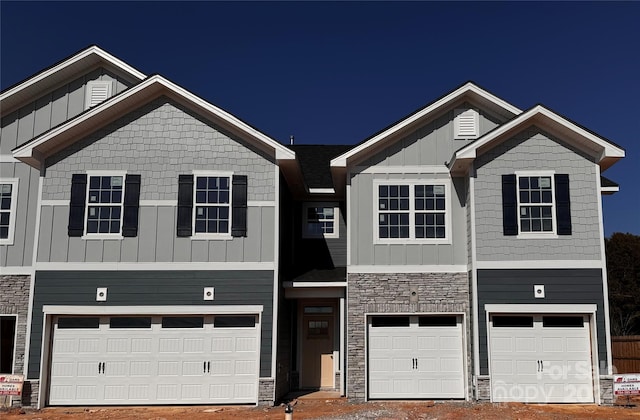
pixel 339 409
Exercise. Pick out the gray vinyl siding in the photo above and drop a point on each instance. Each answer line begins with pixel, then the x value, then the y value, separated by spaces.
pixel 156 240
pixel 159 141
pixel 365 252
pixel 431 144
pixel 562 286
pixel 20 253
pixel 530 150
pixel 52 109
pixel 140 288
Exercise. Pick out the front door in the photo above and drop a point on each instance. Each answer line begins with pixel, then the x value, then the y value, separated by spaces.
pixel 317 347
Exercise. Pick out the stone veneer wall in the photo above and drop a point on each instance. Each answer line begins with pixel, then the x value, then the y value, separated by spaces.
pixel 266 389
pixel 14 300
pixel 391 293
pixel 483 389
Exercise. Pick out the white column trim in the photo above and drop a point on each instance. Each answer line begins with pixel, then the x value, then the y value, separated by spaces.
pixel 605 278
pixel 276 280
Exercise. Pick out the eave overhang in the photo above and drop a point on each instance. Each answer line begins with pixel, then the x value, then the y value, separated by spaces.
pixel 37 150
pixel 51 78
pixel 467 92
pixel 603 151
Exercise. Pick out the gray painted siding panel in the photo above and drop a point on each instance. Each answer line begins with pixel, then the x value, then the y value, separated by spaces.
pixel 568 286
pixel 431 144
pixel 51 109
pixel 156 241
pixel 533 149
pixel 160 141
pixel 20 253
pixel 365 252
pixel 140 288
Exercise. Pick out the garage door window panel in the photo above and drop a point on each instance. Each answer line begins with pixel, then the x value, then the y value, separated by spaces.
pixel 182 322
pixel 130 322
pixel 78 323
pixel 513 321
pixel 437 321
pixel 563 322
pixel 234 322
pixel 390 321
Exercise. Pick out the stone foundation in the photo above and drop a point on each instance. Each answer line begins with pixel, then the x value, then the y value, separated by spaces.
pixel 483 389
pixel 14 302
pixel 266 389
pixel 392 293
pixel 606 390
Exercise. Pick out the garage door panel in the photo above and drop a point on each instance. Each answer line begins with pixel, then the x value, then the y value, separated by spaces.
pixel 553 366
pixel 170 362
pixel 414 362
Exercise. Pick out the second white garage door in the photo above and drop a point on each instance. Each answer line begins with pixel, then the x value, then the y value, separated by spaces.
pixel 416 357
pixel 155 360
pixel 540 358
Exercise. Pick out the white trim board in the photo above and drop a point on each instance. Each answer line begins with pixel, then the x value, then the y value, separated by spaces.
pixel 155 266
pixel 544 308
pixel 364 269
pixel 538 264
pixel 16 271
pixel 407 169
pixel 151 310
pixel 314 284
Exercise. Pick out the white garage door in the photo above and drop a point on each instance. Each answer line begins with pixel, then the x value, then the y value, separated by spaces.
pixel 155 360
pixel 416 357
pixel 540 358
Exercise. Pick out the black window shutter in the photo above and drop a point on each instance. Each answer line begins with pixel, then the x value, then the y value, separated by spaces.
pixel 239 206
pixel 77 204
pixel 509 205
pixel 131 205
pixel 185 205
pixel 563 204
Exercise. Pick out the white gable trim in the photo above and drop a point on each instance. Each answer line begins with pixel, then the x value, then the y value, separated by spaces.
pixel 77 60
pixel 341 161
pixel 470 151
pixel 33 152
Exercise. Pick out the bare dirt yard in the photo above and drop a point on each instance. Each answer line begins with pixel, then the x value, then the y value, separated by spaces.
pixel 338 409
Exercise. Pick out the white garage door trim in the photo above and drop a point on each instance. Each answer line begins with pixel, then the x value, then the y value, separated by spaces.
pixel 51 311
pixel 587 334
pixel 447 385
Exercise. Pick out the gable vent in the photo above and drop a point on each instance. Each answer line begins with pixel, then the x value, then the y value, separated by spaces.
pixel 466 123
pixel 98 91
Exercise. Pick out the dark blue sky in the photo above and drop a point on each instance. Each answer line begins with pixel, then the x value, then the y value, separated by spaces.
pixel 338 72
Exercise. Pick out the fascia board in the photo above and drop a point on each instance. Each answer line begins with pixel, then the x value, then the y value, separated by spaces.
pixel 470 152
pixel 282 153
pixel 341 161
pixel 94 50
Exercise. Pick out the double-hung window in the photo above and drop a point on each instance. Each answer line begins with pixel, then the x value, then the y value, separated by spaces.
pixel 320 220
pixel 212 209
pixel 8 203
pixel 535 203
pixel 105 200
pixel 412 210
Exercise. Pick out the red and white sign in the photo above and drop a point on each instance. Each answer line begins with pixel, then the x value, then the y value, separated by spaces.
pixel 11 384
pixel 626 384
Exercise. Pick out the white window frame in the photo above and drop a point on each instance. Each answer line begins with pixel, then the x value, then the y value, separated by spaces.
pixel 412 211
pixel 207 235
pixel 336 219
pixel 114 235
pixel 554 221
pixel 12 210
pixel 466 112
pixel 107 84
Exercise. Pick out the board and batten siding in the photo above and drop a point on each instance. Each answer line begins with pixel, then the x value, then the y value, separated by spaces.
pixel 53 108
pixel 562 286
pixel 365 252
pixel 153 288
pixel 20 253
pixel 159 141
pixel 535 150
pixel 156 240
pixel 433 143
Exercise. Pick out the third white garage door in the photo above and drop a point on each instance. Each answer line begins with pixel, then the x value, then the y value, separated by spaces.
pixel 540 358
pixel 155 360
pixel 416 357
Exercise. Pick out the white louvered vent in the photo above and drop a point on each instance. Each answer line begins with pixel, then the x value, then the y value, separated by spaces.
pixel 466 123
pixel 97 92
